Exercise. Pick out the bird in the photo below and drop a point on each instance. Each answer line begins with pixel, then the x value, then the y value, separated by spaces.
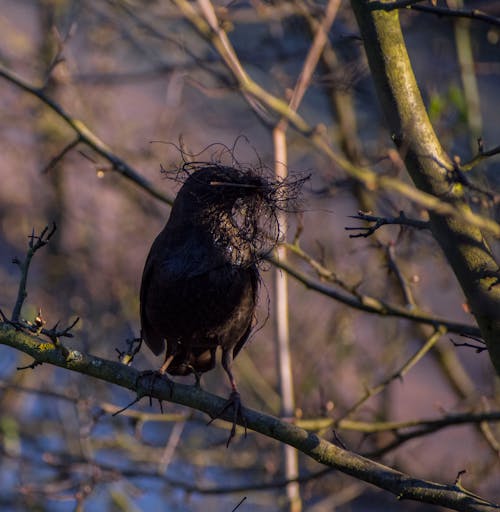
pixel 200 283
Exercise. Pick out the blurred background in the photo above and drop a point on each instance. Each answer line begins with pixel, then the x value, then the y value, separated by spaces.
pixel 143 81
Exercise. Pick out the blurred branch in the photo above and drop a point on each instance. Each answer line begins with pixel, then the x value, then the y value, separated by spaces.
pixel 372 427
pixel 365 302
pixel 398 483
pixel 473 14
pixel 393 265
pixel 86 136
pixel 282 327
pixel 368 178
pixel 398 374
pixel 210 30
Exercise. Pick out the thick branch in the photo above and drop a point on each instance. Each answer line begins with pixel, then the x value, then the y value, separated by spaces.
pixel 400 484
pixel 463 244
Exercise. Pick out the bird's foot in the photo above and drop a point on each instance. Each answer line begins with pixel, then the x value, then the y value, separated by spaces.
pixel 153 376
pixel 233 401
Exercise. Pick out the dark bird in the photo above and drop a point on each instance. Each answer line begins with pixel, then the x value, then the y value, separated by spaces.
pixel 201 278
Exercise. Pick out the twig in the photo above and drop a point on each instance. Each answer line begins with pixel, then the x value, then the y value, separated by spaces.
pixel 240 503
pixel 457 175
pixel 481 155
pixel 35 243
pixel 134 346
pixel 401 220
pixel 56 159
pixel 477 348
pixel 473 14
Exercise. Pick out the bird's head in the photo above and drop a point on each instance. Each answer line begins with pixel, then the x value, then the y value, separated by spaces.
pixel 237 206
pixel 217 186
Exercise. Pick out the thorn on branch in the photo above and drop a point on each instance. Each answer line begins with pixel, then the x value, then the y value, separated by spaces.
pixel 239 504
pixel 31 366
pixel 480 145
pixel 458 479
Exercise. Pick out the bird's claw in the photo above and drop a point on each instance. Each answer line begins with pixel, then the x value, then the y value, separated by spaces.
pixel 154 376
pixel 233 401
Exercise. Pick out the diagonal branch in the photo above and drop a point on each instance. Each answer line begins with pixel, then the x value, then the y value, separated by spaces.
pixel 398 374
pixel 86 136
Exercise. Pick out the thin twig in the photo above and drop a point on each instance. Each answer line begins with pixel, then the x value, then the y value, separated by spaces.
pixel 35 243
pixel 87 136
pixel 480 156
pixel 56 159
pixel 403 283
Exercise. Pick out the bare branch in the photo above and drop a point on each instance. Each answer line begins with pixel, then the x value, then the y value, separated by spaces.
pixel 398 374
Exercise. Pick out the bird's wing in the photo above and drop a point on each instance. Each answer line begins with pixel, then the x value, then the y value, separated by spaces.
pixel 153 339
pixel 255 288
